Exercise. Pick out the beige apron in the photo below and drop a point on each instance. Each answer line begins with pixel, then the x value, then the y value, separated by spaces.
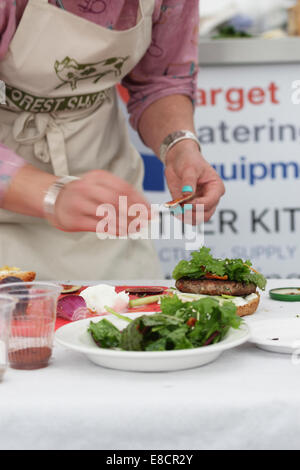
pixel 63 117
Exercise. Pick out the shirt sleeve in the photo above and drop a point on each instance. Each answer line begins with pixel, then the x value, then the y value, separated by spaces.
pixel 170 64
pixel 10 164
pixel 7 24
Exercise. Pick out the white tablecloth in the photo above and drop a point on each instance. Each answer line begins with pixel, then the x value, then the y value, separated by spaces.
pixel 247 399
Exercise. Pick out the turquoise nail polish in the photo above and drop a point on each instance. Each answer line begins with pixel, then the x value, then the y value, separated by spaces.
pixel 187 189
pixel 177 210
pixel 187 207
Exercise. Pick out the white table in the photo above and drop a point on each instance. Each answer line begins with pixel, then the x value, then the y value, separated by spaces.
pixel 247 399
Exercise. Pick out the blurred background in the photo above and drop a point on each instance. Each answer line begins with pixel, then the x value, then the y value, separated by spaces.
pixel 263 18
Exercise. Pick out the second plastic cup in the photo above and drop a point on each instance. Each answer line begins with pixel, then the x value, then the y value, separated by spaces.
pixel 7 304
pixel 32 323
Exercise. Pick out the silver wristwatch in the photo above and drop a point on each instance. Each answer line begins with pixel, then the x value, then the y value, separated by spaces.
pixel 52 195
pixel 173 139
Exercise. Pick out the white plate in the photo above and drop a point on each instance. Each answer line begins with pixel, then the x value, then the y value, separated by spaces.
pixel 75 336
pixel 280 336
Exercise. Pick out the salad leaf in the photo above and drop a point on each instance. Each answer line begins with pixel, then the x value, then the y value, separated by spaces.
pixel 148 329
pixel 239 270
pixel 202 263
pixel 209 264
pixel 105 334
pixel 179 338
pixel 208 312
pixel 158 345
pixel 132 338
pixel 170 304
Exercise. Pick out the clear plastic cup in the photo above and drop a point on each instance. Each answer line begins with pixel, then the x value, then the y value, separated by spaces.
pixel 7 305
pixel 32 323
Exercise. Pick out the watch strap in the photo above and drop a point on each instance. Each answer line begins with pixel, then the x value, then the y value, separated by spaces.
pixel 172 139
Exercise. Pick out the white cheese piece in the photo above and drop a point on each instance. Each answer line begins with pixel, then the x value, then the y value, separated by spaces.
pixel 238 301
pixel 97 297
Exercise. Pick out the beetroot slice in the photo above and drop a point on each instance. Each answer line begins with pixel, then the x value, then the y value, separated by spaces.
pixel 143 291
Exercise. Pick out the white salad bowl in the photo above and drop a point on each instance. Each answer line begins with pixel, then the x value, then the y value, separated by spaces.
pixel 76 337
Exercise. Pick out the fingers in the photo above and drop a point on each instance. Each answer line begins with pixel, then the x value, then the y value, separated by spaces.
pixel 203 206
pixel 103 187
pixel 112 187
pixel 189 180
pixel 82 224
pixel 210 195
pixel 210 189
pixel 86 205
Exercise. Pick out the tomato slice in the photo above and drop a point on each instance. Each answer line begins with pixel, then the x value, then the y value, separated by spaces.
pixel 215 276
pixel 191 322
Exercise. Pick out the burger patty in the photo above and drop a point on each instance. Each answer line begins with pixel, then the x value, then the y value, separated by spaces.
pixel 215 287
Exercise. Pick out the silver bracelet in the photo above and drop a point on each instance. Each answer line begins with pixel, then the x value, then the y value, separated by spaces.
pixel 172 139
pixel 52 194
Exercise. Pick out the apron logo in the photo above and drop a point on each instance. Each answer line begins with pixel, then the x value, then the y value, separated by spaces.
pixel 24 101
pixel 70 72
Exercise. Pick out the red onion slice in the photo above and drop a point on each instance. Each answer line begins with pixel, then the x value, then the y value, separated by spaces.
pixel 72 308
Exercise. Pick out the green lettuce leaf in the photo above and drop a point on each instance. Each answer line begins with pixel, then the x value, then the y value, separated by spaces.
pixel 202 262
pixel 105 334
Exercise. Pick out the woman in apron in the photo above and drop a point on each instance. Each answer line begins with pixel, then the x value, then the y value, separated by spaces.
pixel 62 118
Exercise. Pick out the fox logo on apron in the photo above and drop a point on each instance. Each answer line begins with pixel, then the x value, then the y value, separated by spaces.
pixel 69 71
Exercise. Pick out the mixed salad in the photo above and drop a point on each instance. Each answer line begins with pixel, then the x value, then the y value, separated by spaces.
pixel 179 325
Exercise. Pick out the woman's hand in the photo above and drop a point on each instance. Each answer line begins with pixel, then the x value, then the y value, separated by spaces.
pixel 78 204
pixel 185 166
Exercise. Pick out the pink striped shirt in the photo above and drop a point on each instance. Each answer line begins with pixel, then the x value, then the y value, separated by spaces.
pixel 169 66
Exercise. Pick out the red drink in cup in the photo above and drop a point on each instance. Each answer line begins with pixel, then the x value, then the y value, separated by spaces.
pixel 32 323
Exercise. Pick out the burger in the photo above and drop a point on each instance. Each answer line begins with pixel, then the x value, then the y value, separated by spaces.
pixel 225 279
